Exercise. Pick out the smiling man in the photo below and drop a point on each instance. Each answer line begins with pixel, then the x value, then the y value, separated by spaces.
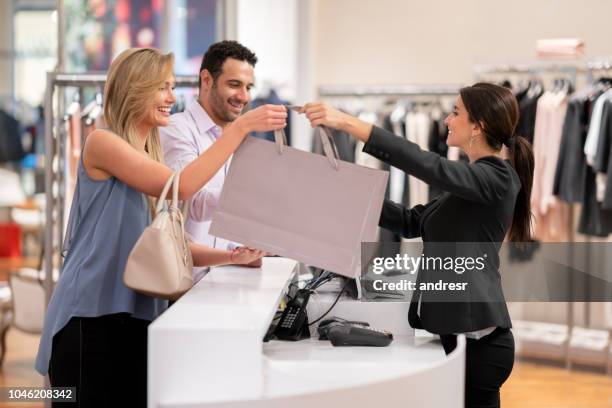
pixel 226 78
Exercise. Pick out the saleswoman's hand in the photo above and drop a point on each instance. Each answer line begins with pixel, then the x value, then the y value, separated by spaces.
pixel 247 257
pixel 321 114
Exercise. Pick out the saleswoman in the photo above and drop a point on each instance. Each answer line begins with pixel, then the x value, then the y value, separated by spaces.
pixel 483 200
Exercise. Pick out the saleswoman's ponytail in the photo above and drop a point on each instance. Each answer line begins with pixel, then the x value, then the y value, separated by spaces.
pixel 521 158
pixel 496 109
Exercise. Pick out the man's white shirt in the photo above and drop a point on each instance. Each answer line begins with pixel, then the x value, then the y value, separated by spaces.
pixel 187 136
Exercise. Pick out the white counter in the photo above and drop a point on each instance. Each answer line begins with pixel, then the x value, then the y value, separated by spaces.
pixel 207 350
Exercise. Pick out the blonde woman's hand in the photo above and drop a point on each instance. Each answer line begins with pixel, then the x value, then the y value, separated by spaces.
pixel 247 256
pixel 263 119
pixel 320 113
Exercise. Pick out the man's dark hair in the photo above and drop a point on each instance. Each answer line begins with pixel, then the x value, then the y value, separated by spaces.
pixel 220 51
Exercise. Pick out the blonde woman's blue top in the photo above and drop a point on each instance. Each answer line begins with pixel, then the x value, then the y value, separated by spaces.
pixel 106 219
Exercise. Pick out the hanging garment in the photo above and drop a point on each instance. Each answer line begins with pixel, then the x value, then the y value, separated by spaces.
pixel 594 219
pixel 417 131
pixel 592 141
pixel 11 148
pixel 551 216
pixel 569 177
pixel 528 106
pixel 603 164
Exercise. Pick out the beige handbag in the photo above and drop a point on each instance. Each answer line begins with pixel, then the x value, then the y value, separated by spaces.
pixel 160 264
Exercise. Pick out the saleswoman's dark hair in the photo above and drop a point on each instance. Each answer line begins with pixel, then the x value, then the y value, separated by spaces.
pixel 496 110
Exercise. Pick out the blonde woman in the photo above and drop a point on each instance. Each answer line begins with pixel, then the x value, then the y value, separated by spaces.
pixel 95 332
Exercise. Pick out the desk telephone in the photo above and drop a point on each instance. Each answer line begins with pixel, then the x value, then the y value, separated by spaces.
pixel 293 324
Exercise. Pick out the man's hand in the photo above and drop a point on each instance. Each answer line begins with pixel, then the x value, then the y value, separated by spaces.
pixel 263 119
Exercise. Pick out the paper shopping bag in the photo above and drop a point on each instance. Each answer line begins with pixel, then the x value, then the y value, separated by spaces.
pixel 312 208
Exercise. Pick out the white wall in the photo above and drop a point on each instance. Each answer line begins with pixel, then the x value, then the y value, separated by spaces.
pixel 308 43
pixel 269 28
pixel 439 41
pixel 281 33
pixel 35 37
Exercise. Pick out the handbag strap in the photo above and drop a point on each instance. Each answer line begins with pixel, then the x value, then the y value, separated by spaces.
pixel 174 180
pixel 181 213
pixel 164 193
pixel 175 189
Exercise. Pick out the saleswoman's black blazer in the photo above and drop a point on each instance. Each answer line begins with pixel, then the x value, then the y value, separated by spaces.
pixel 470 218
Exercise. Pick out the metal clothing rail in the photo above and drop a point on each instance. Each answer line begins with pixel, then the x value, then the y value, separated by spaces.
pixel 54 162
pixel 573 68
pixel 531 67
pixel 388 90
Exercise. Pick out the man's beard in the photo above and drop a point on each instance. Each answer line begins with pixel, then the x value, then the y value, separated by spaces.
pixel 219 106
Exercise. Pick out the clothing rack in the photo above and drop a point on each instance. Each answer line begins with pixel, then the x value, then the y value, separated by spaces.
pixel 54 157
pixel 480 71
pixel 574 69
pixel 388 90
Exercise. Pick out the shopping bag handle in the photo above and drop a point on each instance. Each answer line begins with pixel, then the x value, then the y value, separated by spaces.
pixel 329 145
pixel 280 139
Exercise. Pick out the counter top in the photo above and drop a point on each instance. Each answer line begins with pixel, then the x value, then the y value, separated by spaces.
pixel 207 350
pixel 313 365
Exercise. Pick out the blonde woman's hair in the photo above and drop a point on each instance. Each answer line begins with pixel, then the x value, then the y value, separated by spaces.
pixel 132 82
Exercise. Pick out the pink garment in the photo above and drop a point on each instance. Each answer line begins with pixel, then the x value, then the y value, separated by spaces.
pixel 560 48
pixel 551 215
